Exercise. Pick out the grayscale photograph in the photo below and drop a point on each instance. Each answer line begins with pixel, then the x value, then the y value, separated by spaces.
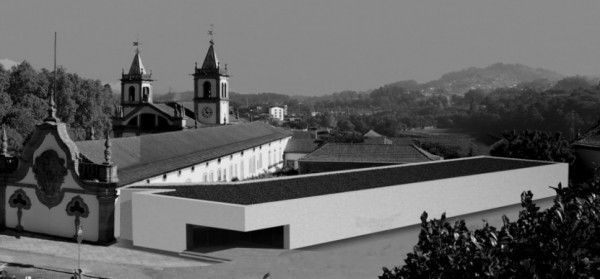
pixel 263 139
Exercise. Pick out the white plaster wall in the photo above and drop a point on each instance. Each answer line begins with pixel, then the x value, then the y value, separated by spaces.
pixel 51 143
pixel 224 110
pixel 54 221
pixel 293 157
pixel 327 218
pixel 228 162
pixel 159 222
pixel 321 219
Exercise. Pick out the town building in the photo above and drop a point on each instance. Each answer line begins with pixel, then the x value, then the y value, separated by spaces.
pixel 277 113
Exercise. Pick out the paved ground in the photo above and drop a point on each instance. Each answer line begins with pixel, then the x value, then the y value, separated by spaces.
pixel 356 258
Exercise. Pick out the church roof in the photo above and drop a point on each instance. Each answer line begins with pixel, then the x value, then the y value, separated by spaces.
pixel 210 61
pixel 369 153
pixel 302 186
pixel 137 68
pixel 139 158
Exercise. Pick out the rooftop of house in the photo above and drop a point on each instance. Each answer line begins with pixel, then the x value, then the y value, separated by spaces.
pixel 142 157
pixel 295 187
pixel 369 153
pixel 591 138
pixel 302 145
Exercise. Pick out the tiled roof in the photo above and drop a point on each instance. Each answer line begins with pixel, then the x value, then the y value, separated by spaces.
pixel 301 145
pixel 139 158
pixel 271 190
pixel 590 138
pixel 371 134
pixel 369 153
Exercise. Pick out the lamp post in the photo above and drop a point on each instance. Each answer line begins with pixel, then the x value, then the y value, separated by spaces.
pixel 79 240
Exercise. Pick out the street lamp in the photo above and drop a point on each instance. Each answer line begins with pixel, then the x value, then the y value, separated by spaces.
pixel 79 240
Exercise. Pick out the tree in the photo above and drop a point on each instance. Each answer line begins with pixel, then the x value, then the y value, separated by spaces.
pixel 559 242
pixel 534 145
pixel 345 125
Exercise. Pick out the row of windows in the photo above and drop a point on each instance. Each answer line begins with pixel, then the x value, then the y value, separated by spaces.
pixel 254 165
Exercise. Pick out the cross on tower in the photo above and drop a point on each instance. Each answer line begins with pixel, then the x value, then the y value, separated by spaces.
pixel 210 32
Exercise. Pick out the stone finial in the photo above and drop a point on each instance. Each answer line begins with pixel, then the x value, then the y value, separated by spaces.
pixel 4 142
pixel 92 133
pixel 107 151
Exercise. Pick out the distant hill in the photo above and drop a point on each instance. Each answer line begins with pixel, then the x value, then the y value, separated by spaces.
pixel 488 78
pixel 458 82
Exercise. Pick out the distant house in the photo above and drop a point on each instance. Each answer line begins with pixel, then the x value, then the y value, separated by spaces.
pixel 341 156
pixel 277 113
pixel 301 144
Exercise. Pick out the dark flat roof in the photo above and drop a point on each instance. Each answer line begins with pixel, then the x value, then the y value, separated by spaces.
pixel 263 191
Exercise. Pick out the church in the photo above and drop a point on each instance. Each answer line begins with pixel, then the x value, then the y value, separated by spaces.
pixel 139 115
pixel 57 184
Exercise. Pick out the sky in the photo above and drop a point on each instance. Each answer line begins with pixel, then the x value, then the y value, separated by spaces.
pixel 309 47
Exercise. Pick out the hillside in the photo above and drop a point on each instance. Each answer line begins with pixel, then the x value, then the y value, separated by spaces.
pixel 488 78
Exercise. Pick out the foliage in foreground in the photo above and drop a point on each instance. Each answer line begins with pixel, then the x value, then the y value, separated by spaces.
pixel 560 242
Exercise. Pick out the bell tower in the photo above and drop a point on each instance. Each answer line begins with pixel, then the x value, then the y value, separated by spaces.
pixel 211 93
pixel 136 86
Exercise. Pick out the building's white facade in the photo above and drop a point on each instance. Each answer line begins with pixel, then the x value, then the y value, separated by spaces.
pixel 277 113
pixel 159 222
pixel 241 165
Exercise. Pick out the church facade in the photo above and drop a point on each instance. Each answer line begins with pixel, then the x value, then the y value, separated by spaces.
pixel 138 114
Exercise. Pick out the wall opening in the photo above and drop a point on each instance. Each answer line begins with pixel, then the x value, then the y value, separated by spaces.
pixel 200 238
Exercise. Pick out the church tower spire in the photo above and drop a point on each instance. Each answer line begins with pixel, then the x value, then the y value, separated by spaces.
pixel 211 95
pixel 136 85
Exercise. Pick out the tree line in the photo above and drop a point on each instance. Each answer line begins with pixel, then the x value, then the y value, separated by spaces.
pixel 81 103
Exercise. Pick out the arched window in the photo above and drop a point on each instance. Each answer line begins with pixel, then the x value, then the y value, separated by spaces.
pixel 131 93
pixel 224 90
pixel 146 94
pixel 206 87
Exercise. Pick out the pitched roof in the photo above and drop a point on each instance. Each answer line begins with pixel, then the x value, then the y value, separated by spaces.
pixel 295 187
pixel 371 134
pixel 137 68
pixel 210 61
pixel 369 153
pixel 139 158
pixel 591 138
pixel 302 145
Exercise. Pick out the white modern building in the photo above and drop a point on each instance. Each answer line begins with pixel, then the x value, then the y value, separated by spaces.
pixel 307 210
pixel 277 113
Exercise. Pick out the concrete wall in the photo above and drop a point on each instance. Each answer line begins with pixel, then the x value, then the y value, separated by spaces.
pixel 159 221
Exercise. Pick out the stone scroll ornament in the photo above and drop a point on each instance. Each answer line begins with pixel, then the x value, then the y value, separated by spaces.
pixel 50 172
pixel 78 208
pixel 20 200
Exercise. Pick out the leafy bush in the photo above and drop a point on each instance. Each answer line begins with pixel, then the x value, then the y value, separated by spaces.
pixel 534 145
pixel 560 242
